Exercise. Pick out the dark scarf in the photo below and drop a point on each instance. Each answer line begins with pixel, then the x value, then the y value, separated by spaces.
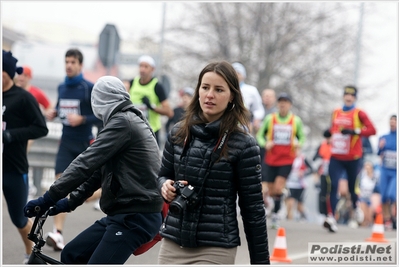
pixel 74 80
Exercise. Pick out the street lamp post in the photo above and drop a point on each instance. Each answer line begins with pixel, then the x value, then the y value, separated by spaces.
pixel 160 72
pixel 358 45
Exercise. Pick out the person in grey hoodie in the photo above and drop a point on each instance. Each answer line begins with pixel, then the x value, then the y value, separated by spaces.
pixel 123 161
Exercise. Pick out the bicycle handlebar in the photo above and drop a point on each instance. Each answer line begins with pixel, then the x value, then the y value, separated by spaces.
pixel 39 218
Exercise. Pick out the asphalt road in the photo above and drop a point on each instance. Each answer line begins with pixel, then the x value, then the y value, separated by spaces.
pixel 298 235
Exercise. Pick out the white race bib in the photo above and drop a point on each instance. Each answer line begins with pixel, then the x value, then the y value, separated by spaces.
pixel 68 106
pixel 282 134
pixel 389 159
pixel 340 144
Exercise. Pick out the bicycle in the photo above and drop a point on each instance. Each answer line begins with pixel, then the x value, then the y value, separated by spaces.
pixel 36 235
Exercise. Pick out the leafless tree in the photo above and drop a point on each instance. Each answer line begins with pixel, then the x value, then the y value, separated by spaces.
pixel 305 49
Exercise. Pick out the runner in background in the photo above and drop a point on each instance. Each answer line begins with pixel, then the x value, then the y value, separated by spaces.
pixel 387 149
pixel 77 118
pixel 24 80
pixel 281 134
pixel 296 185
pixel 348 125
pixel 324 153
pixel 367 180
pixel 269 104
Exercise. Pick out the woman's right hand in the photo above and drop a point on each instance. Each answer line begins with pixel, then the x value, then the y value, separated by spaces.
pixel 169 191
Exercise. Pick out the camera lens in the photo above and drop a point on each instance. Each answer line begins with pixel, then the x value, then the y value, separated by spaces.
pixel 177 206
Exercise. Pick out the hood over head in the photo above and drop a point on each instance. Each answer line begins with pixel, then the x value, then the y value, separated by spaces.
pixel 108 93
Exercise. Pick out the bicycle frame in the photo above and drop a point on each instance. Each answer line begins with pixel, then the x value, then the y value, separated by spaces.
pixel 36 235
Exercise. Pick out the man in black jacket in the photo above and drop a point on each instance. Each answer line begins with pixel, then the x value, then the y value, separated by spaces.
pixel 123 161
pixel 22 120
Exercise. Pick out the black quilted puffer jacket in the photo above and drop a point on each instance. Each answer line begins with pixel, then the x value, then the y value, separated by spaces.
pixel 213 222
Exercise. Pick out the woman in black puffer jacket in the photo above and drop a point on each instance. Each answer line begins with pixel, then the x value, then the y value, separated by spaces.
pixel 201 226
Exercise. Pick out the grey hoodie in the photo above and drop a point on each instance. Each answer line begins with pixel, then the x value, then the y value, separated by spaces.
pixel 123 160
pixel 108 93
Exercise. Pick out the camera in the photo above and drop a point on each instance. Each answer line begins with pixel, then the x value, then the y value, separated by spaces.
pixel 186 197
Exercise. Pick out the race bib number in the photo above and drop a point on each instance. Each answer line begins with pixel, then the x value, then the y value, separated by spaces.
pixel 340 144
pixel 282 134
pixel 389 159
pixel 68 106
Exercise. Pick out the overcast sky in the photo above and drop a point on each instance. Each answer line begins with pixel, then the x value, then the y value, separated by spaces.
pixel 89 15
pixel 132 19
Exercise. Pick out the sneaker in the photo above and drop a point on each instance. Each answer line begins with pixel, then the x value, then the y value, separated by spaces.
pixel 353 224
pixel 26 258
pixel 55 240
pixel 359 215
pixel 388 225
pixel 330 224
pixel 269 207
pixel 274 224
pixel 285 194
pixel 96 205
pixel 301 218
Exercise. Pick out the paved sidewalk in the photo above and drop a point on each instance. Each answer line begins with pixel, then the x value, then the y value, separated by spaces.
pixel 298 234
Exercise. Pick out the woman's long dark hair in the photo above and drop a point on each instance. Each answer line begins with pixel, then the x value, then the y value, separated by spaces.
pixel 235 116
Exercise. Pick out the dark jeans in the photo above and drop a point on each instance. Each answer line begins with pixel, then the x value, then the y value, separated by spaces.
pixel 112 239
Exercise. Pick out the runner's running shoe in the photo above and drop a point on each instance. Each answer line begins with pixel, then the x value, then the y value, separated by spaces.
pixel 330 224
pixel 359 215
pixel 55 240
pixel 274 224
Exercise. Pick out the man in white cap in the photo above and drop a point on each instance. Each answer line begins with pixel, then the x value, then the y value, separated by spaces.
pixel 148 94
pixel 251 96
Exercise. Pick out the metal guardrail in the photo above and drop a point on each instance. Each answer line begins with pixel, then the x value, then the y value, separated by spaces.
pixel 42 155
pixel 43 151
pixel 41 158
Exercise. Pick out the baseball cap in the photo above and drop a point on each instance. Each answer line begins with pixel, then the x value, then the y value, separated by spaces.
pixel 27 71
pixel 147 59
pixel 240 69
pixel 284 96
pixel 188 91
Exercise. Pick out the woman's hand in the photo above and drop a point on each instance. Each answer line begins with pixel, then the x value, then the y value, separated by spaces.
pixel 168 190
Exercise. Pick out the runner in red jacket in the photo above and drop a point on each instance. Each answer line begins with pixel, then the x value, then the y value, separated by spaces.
pixel 349 124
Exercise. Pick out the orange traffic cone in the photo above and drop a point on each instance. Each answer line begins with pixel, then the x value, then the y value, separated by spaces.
pixel 378 209
pixel 378 230
pixel 280 247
